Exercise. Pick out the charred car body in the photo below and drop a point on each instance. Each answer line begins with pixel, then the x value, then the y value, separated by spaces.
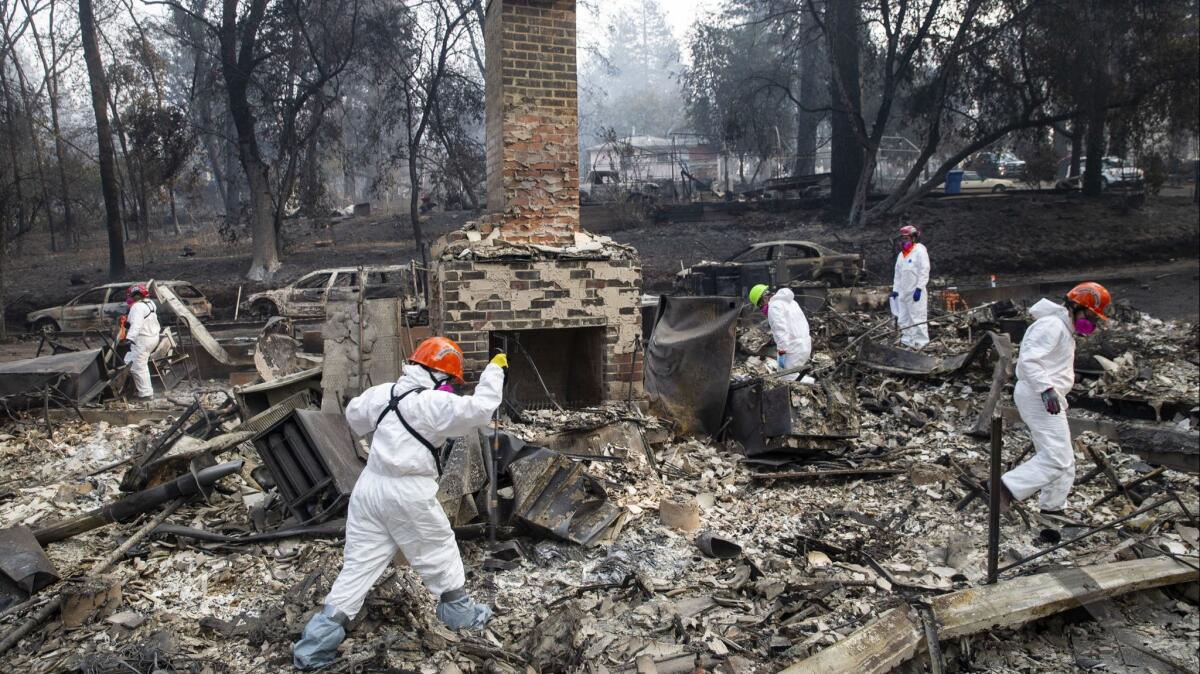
pixel 308 296
pixel 101 307
pixel 777 263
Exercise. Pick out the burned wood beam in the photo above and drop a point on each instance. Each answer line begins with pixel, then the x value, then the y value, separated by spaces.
pixel 1157 472
pixel 826 474
pixel 899 635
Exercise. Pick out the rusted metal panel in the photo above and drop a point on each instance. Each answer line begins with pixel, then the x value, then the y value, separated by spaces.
pixel 555 495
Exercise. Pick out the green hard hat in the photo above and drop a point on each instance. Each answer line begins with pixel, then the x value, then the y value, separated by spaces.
pixel 757 292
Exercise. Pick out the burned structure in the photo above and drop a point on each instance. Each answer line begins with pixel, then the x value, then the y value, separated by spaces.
pixel 526 278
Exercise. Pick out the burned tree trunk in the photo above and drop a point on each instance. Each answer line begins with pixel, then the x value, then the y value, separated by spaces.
pixel 1093 173
pixel 846 158
pixel 238 58
pixel 108 175
pixel 806 119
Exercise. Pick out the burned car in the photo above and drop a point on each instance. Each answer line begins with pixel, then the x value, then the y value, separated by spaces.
pixel 101 307
pixel 777 263
pixel 308 296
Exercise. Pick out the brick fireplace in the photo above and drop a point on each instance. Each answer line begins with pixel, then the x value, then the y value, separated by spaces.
pixel 526 277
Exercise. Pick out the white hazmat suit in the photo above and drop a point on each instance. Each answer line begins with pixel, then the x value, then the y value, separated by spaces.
pixel 142 329
pixel 789 327
pixel 912 273
pixel 1047 360
pixel 394 503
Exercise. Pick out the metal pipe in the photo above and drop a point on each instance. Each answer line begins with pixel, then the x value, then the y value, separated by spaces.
pixel 126 509
pixel 994 490
pixel 1089 532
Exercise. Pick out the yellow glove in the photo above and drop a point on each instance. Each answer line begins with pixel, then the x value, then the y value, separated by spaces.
pixel 500 359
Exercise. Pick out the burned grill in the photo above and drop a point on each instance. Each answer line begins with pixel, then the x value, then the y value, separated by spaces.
pixel 312 457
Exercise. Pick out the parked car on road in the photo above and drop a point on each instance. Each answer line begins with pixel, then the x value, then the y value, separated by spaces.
pixel 308 296
pixel 779 263
pixel 1114 172
pixel 101 307
pixel 973 182
pixel 998 165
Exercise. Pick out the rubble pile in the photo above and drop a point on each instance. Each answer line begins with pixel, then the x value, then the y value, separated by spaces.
pixel 1146 359
pixel 717 561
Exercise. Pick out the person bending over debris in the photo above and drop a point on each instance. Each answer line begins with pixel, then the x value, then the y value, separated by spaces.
pixel 789 326
pixel 1045 373
pixel 394 503
pixel 141 329
pixel 909 301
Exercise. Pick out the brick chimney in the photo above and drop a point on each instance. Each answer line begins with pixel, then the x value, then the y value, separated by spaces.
pixel 532 121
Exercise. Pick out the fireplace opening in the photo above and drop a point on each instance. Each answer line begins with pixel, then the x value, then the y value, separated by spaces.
pixel 567 364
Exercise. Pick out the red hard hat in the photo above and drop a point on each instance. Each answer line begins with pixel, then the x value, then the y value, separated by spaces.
pixel 441 354
pixel 1093 296
pixel 908 230
pixel 138 288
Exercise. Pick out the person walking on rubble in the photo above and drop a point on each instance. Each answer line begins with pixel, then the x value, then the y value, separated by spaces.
pixel 1045 373
pixel 394 503
pixel 789 326
pixel 909 301
pixel 142 330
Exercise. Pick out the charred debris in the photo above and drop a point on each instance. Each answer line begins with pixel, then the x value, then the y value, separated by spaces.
pixel 712 517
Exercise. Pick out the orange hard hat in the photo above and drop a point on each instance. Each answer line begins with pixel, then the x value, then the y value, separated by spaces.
pixel 1093 296
pixel 909 230
pixel 441 354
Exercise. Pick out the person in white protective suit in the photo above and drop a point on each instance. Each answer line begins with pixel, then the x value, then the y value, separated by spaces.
pixel 1045 373
pixel 909 301
pixel 394 503
pixel 789 326
pixel 142 330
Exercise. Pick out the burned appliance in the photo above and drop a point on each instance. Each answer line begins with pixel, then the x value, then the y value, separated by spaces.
pixel 791 417
pixel 312 457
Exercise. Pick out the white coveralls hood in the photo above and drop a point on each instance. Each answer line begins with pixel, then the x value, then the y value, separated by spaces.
pixel 142 330
pixel 911 274
pixel 1047 360
pixel 789 327
pixel 394 505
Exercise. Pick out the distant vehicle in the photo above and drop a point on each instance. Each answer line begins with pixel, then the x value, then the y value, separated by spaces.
pixel 778 263
pixel 101 307
pixel 308 296
pixel 998 165
pixel 973 182
pixel 607 187
pixel 1114 172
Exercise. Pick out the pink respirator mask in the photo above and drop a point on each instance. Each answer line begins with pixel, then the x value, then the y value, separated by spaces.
pixel 1084 326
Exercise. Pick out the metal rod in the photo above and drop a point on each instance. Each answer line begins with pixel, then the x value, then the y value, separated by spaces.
pixel 361 319
pixel 493 488
pixel 237 304
pixel 1089 532
pixel 994 490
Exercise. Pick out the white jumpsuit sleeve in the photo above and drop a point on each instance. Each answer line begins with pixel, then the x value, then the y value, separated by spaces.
pixel 137 314
pixel 898 273
pixel 450 415
pixel 1033 364
pixel 364 409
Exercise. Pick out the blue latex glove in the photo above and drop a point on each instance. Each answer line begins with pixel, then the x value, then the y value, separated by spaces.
pixel 318 645
pixel 1050 400
pixel 894 294
pixel 464 614
pixel 780 361
pixel 917 295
